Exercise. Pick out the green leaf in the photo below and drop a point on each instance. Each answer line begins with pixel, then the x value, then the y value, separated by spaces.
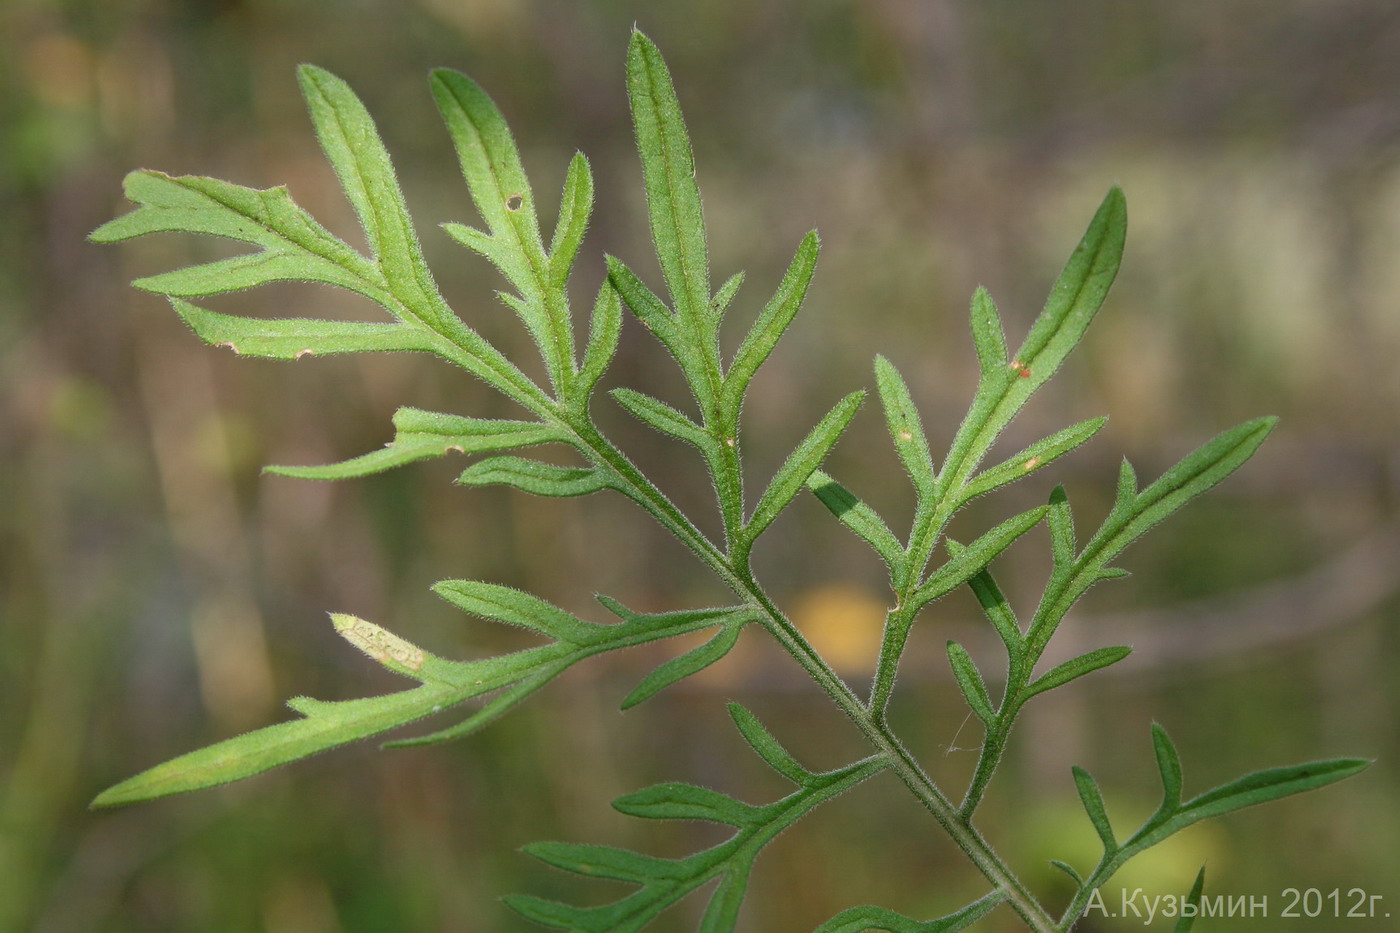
pixel 1093 805
pixel 679 668
pixel 514 607
pixel 540 672
pixel 258 751
pixel 1074 300
pixel 906 428
pixel 1069 869
pixel 294 246
pixel 1076 296
pixel 725 296
pixel 578 640
pixel 1033 458
pixel 970 682
pixel 662 417
pixel 668 169
pixel 562 916
pixel 605 328
pixel 1169 765
pixel 648 308
pixel 801 463
pixel 767 747
pixel 1075 668
pixel 995 607
pixel 1064 545
pixel 857 516
pixel 772 322
pixel 420 435
pixel 444 684
pixel 687 802
pixel 540 479
pixel 352 145
pixel 501 192
pixel 297 338
pixel 861 919
pixel 1134 513
pixel 987 334
pixel 604 861
pixel 664 882
pixel 326 725
pixel 1261 787
pixel 967 561
pixel 576 206
pixel 722 913
pixel 1193 901
pixel 491 167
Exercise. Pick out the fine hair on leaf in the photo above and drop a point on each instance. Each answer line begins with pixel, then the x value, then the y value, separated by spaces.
pixel 554 446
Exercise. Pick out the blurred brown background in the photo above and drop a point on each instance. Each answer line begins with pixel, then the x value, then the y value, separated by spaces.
pixel 157 593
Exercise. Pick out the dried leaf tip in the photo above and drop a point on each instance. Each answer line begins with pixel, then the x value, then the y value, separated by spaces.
pixel 381 645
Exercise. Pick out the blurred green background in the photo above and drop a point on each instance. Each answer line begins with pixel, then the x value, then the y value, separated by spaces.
pixel 157 593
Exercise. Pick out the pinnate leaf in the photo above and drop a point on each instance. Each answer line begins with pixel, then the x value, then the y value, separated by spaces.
pixel 1173 815
pixel 444 684
pixel 352 145
pixel 294 246
pixel 663 882
pixel 501 192
pixel 1074 300
pixel 1135 512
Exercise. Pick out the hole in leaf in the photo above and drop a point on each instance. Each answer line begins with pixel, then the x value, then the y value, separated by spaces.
pixel 514 202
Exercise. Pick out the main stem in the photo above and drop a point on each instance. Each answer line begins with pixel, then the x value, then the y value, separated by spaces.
pixel 742 582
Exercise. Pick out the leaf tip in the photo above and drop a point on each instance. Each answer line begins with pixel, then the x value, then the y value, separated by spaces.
pixel 313 77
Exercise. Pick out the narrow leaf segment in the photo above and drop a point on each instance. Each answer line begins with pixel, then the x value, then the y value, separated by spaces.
pixel 662 881
pixel 442 684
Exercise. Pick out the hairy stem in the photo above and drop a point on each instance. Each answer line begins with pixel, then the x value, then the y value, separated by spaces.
pixel 742 582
